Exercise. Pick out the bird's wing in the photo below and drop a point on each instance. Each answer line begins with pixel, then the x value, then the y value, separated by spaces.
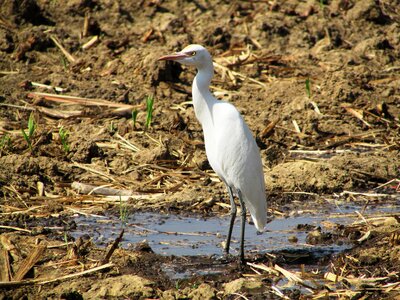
pixel 239 159
pixel 233 140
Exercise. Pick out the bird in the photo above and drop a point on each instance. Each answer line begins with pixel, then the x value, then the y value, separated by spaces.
pixel 230 147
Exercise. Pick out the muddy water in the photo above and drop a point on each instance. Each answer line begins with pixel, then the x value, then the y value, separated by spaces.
pixel 194 236
pixel 176 235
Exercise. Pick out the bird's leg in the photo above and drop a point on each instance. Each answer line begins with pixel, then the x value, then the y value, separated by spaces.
pixel 233 216
pixel 243 214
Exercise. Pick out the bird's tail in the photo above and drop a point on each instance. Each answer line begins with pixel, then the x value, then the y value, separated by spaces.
pixel 259 216
pixel 260 223
pixel 256 203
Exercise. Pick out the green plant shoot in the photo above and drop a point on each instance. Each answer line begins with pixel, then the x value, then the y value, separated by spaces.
pixel 4 142
pixel 123 212
pixel 112 127
pixel 149 110
pixel 64 138
pixel 64 63
pixel 66 240
pixel 308 89
pixel 134 117
pixel 31 130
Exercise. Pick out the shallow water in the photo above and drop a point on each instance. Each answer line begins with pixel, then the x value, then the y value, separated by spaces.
pixel 192 236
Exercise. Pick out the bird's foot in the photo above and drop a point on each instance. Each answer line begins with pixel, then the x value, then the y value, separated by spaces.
pixel 241 263
pixel 230 259
pixel 225 258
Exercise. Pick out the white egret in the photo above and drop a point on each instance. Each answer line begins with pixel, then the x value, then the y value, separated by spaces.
pixel 230 147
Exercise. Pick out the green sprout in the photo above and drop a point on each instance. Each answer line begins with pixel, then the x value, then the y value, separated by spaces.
pixel 149 110
pixel 64 63
pixel 66 240
pixel 5 141
pixel 134 117
pixel 31 131
pixel 123 212
pixel 112 127
pixel 64 138
pixel 308 89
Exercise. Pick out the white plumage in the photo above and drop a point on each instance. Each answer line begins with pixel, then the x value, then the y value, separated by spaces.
pixel 230 147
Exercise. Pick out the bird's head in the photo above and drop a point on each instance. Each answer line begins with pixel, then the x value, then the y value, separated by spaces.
pixel 192 55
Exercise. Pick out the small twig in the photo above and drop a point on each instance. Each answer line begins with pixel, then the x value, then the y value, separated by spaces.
pixel 316 108
pixel 240 295
pixel 29 262
pixel 158 143
pixel 9 246
pixel 319 152
pixel 293 277
pixel 5 273
pixel 356 113
pixel 264 268
pixel 17 106
pixel 94 171
pixel 60 245
pixel 8 72
pixel 90 43
pixel 147 35
pixel 365 236
pixel 362 217
pixel 15 228
pixel 232 75
pixel 69 56
pixel 99 190
pixel 84 214
pixel 154 197
pixel 126 143
pixel 267 131
pixel 70 276
pixel 82 101
pixel 302 193
pixel 86 24
pixel 18 211
pixel 15 284
pixel 48 111
pixel 278 292
pixel 296 126
pixel 61 263
pixel 173 232
pixel 367 194
pixel 49 87
pixel 95 269
pixel 389 182
pixel 113 247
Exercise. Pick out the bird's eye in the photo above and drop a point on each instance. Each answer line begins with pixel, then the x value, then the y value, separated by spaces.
pixel 193 53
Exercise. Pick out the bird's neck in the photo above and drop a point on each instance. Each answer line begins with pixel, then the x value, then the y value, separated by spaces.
pixel 203 77
pixel 202 97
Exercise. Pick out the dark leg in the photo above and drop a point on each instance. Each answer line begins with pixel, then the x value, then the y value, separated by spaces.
pixel 243 214
pixel 233 216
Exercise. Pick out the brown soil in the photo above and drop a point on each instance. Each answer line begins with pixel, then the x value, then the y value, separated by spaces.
pixel 348 50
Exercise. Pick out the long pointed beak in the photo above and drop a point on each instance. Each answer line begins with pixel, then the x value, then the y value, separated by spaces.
pixel 174 56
